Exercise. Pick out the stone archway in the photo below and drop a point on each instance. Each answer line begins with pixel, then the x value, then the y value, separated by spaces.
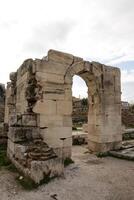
pixel 103 82
pixel 39 107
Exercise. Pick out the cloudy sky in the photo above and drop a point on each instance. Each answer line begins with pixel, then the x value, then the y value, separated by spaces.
pixel 100 30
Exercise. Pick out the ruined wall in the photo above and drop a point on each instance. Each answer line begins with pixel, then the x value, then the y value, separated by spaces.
pixel 26 147
pixel 39 105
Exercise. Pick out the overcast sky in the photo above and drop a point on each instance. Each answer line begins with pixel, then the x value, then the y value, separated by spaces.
pixel 100 30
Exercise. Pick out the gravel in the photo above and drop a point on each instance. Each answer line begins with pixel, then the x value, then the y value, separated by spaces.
pixel 89 178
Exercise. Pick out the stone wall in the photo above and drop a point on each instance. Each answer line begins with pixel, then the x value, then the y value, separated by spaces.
pixel 39 108
pixel 26 148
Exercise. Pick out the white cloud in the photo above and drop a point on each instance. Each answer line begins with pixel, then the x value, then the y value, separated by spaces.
pixel 79 88
pixel 127 76
pixel 92 29
pixel 127 80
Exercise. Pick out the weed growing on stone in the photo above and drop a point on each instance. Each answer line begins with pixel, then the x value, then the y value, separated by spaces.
pixel 68 161
pixel 4 161
pixel 102 154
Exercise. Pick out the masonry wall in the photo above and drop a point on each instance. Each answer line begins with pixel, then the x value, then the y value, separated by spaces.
pixel 44 87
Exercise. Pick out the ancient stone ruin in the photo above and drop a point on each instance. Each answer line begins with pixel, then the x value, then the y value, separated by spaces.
pixel 39 111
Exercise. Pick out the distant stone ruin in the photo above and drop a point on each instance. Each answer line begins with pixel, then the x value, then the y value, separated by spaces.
pixel 2 102
pixel 2 111
pixel 39 111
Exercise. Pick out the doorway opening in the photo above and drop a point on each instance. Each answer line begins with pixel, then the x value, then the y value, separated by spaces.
pixel 79 111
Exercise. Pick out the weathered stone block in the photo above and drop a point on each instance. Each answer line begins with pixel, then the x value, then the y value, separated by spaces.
pixel 11 146
pixel 52 67
pixel 47 107
pixel 44 169
pixel 51 120
pixel 54 95
pixel 64 107
pixel 52 136
pixel 60 57
pixel 67 121
pixel 49 77
pixel 29 120
pixel 21 134
pixel 20 151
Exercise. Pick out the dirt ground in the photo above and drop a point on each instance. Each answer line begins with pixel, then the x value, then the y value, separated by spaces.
pixel 89 178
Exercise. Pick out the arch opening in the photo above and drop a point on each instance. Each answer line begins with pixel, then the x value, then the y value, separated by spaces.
pixel 80 108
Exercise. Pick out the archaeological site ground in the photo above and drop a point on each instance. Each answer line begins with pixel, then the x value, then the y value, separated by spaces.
pixel 36 109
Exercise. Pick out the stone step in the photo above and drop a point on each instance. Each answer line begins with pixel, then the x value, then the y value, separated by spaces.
pixel 127 154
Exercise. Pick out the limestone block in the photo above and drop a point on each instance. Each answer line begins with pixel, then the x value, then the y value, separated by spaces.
pixel 21 107
pixel 51 168
pixel 26 66
pixel 16 134
pixel 23 79
pixel 14 120
pixel 109 98
pixel 103 147
pixel 50 120
pixel 117 98
pixel 76 68
pixel 20 151
pixel 29 120
pixel 68 94
pixel 52 67
pixel 59 87
pixel 47 107
pixel 54 95
pixel 60 57
pixel 49 77
pixel 111 138
pixel 64 107
pixel 10 100
pixel 21 134
pixel 68 78
pixel 52 136
pixel 21 94
pixel 94 138
pixel 67 121
pixel 11 146
pixel 53 91
pixel 64 152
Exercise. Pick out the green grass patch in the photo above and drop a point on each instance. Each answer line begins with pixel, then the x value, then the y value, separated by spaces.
pixel 74 128
pixel 68 161
pixel 128 136
pixel 26 182
pixel 102 154
pixel 4 161
pixel 11 167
